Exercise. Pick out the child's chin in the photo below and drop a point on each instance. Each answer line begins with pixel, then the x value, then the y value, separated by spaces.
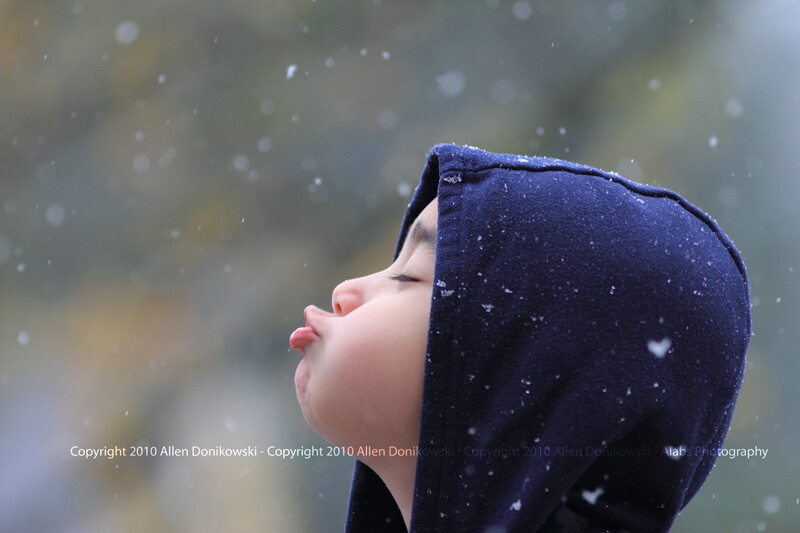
pixel 301 377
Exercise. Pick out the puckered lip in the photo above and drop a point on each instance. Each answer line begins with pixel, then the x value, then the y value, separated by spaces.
pixel 302 337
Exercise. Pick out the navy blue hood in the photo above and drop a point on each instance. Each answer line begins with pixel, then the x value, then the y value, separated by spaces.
pixel 586 346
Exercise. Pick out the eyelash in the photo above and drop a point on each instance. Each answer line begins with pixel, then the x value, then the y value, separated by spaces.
pixel 402 278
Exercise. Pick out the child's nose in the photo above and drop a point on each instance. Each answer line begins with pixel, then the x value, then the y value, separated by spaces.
pixel 347 296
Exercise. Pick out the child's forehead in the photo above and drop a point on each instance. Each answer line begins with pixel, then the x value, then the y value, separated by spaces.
pixel 423 229
pixel 429 215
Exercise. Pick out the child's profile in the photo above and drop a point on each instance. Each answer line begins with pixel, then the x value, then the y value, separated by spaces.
pixel 553 348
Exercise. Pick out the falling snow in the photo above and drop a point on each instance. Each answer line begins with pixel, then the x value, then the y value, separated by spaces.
pixel 675 453
pixel 240 162
pixel 127 32
pixel 54 214
pixel 451 83
pixel 521 10
pixel 591 496
pixel 659 348
pixel 264 144
pixel 771 504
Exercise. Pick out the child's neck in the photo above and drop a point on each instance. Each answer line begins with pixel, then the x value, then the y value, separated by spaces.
pixel 398 475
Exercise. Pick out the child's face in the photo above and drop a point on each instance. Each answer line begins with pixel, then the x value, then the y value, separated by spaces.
pixel 360 382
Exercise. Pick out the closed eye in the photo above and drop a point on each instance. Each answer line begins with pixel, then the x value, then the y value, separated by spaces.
pixel 402 278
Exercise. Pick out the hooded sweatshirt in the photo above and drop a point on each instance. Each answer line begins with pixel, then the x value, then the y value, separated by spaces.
pixel 586 345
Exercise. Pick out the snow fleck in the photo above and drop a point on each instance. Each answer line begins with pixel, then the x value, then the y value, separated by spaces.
pixel 21 267
pixel 628 393
pixel 655 385
pixel 290 71
pixel 141 164
pixel 503 91
pixel 654 84
pixel 591 496
pixel 308 163
pixel 231 424
pixel 516 506
pixel 127 32
pixel 453 179
pixel 451 83
pixel 612 290
pixel 55 215
pixel 404 189
pixel 447 292
pixel 386 55
pixel 659 348
pixel 734 108
pixel 329 62
pixel 488 307
pixel 440 283
pixel 23 338
pixel 771 504
pixel 240 162
pixel 267 107
pixel 617 11
pixel 778 300
pixel 363 52
pixel 562 131
pixel 675 453
pixel 522 10
pixel 713 141
pixel 472 431
pixel 162 79
pixel 388 119
pixel 264 144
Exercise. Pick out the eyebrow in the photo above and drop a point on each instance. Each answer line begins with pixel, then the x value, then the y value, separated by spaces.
pixel 423 234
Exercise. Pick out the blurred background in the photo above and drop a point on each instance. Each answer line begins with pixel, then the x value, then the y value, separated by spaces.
pixel 179 178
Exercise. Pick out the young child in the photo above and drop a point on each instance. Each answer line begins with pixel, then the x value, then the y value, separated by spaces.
pixel 554 348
